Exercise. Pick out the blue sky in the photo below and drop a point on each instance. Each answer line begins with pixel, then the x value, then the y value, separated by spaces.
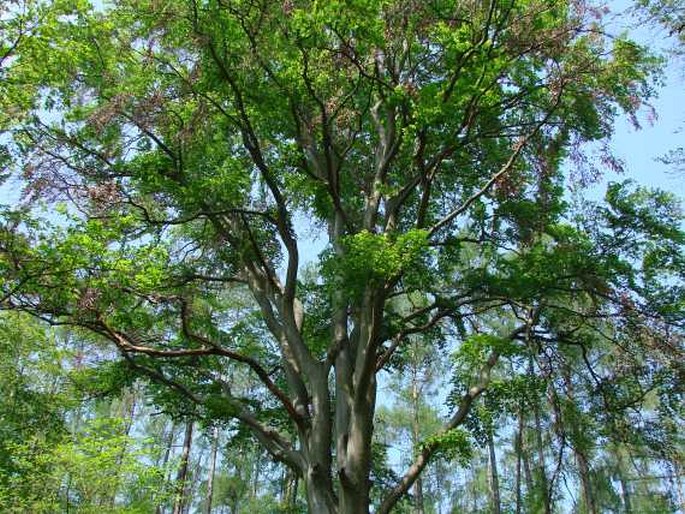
pixel 640 149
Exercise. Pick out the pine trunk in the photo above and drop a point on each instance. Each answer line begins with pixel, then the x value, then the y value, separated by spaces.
pixel 182 476
pixel 518 448
pixel 212 470
pixel 494 476
pixel 584 470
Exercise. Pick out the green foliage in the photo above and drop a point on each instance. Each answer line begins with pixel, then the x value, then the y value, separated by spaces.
pixel 452 445
pixel 86 474
pixel 377 258
pixel 33 400
pixel 476 349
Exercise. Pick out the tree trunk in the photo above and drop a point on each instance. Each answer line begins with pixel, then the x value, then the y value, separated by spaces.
pixel 289 494
pixel 355 372
pixel 212 470
pixel 354 473
pixel 541 472
pixel 625 493
pixel 354 481
pixel 518 448
pixel 127 408
pixel 416 439
pixel 677 474
pixel 584 470
pixel 182 476
pixel 494 477
pixel 165 459
pixel 315 440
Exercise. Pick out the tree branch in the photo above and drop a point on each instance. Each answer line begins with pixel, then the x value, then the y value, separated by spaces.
pixel 428 450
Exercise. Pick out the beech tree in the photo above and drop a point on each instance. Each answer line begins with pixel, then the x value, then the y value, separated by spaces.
pixel 194 155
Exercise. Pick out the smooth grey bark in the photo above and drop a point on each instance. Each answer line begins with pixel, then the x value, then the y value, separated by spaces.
pixel 352 355
pixel 355 396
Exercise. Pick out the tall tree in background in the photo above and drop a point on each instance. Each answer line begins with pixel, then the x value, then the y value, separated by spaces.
pixel 195 149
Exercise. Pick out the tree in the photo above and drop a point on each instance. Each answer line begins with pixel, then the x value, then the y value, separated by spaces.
pixel 31 409
pixel 48 462
pixel 193 149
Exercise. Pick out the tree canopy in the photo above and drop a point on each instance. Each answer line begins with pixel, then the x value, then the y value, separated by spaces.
pixel 184 161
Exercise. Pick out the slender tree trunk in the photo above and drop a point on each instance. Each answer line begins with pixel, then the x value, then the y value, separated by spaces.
pixel 541 472
pixel 494 476
pixel 165 459
pixel 128 409
pixel 528 471
pixel 581 456
pixel 626 494
pixel 677 478
pixel 290 489
pixel 182 476
pixel 584 470
pixel 518 448
pixel 475 493
pixel 256 468
pixel 212 470
pixel 416 439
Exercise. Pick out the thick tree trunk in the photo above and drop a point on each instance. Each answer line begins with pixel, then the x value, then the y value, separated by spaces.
pixel 355 374
pixel 318 497
pixel 354 479
pixel 182 476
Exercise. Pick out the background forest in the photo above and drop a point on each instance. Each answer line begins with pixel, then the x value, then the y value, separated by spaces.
pixel 75 441
pixel 335 257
